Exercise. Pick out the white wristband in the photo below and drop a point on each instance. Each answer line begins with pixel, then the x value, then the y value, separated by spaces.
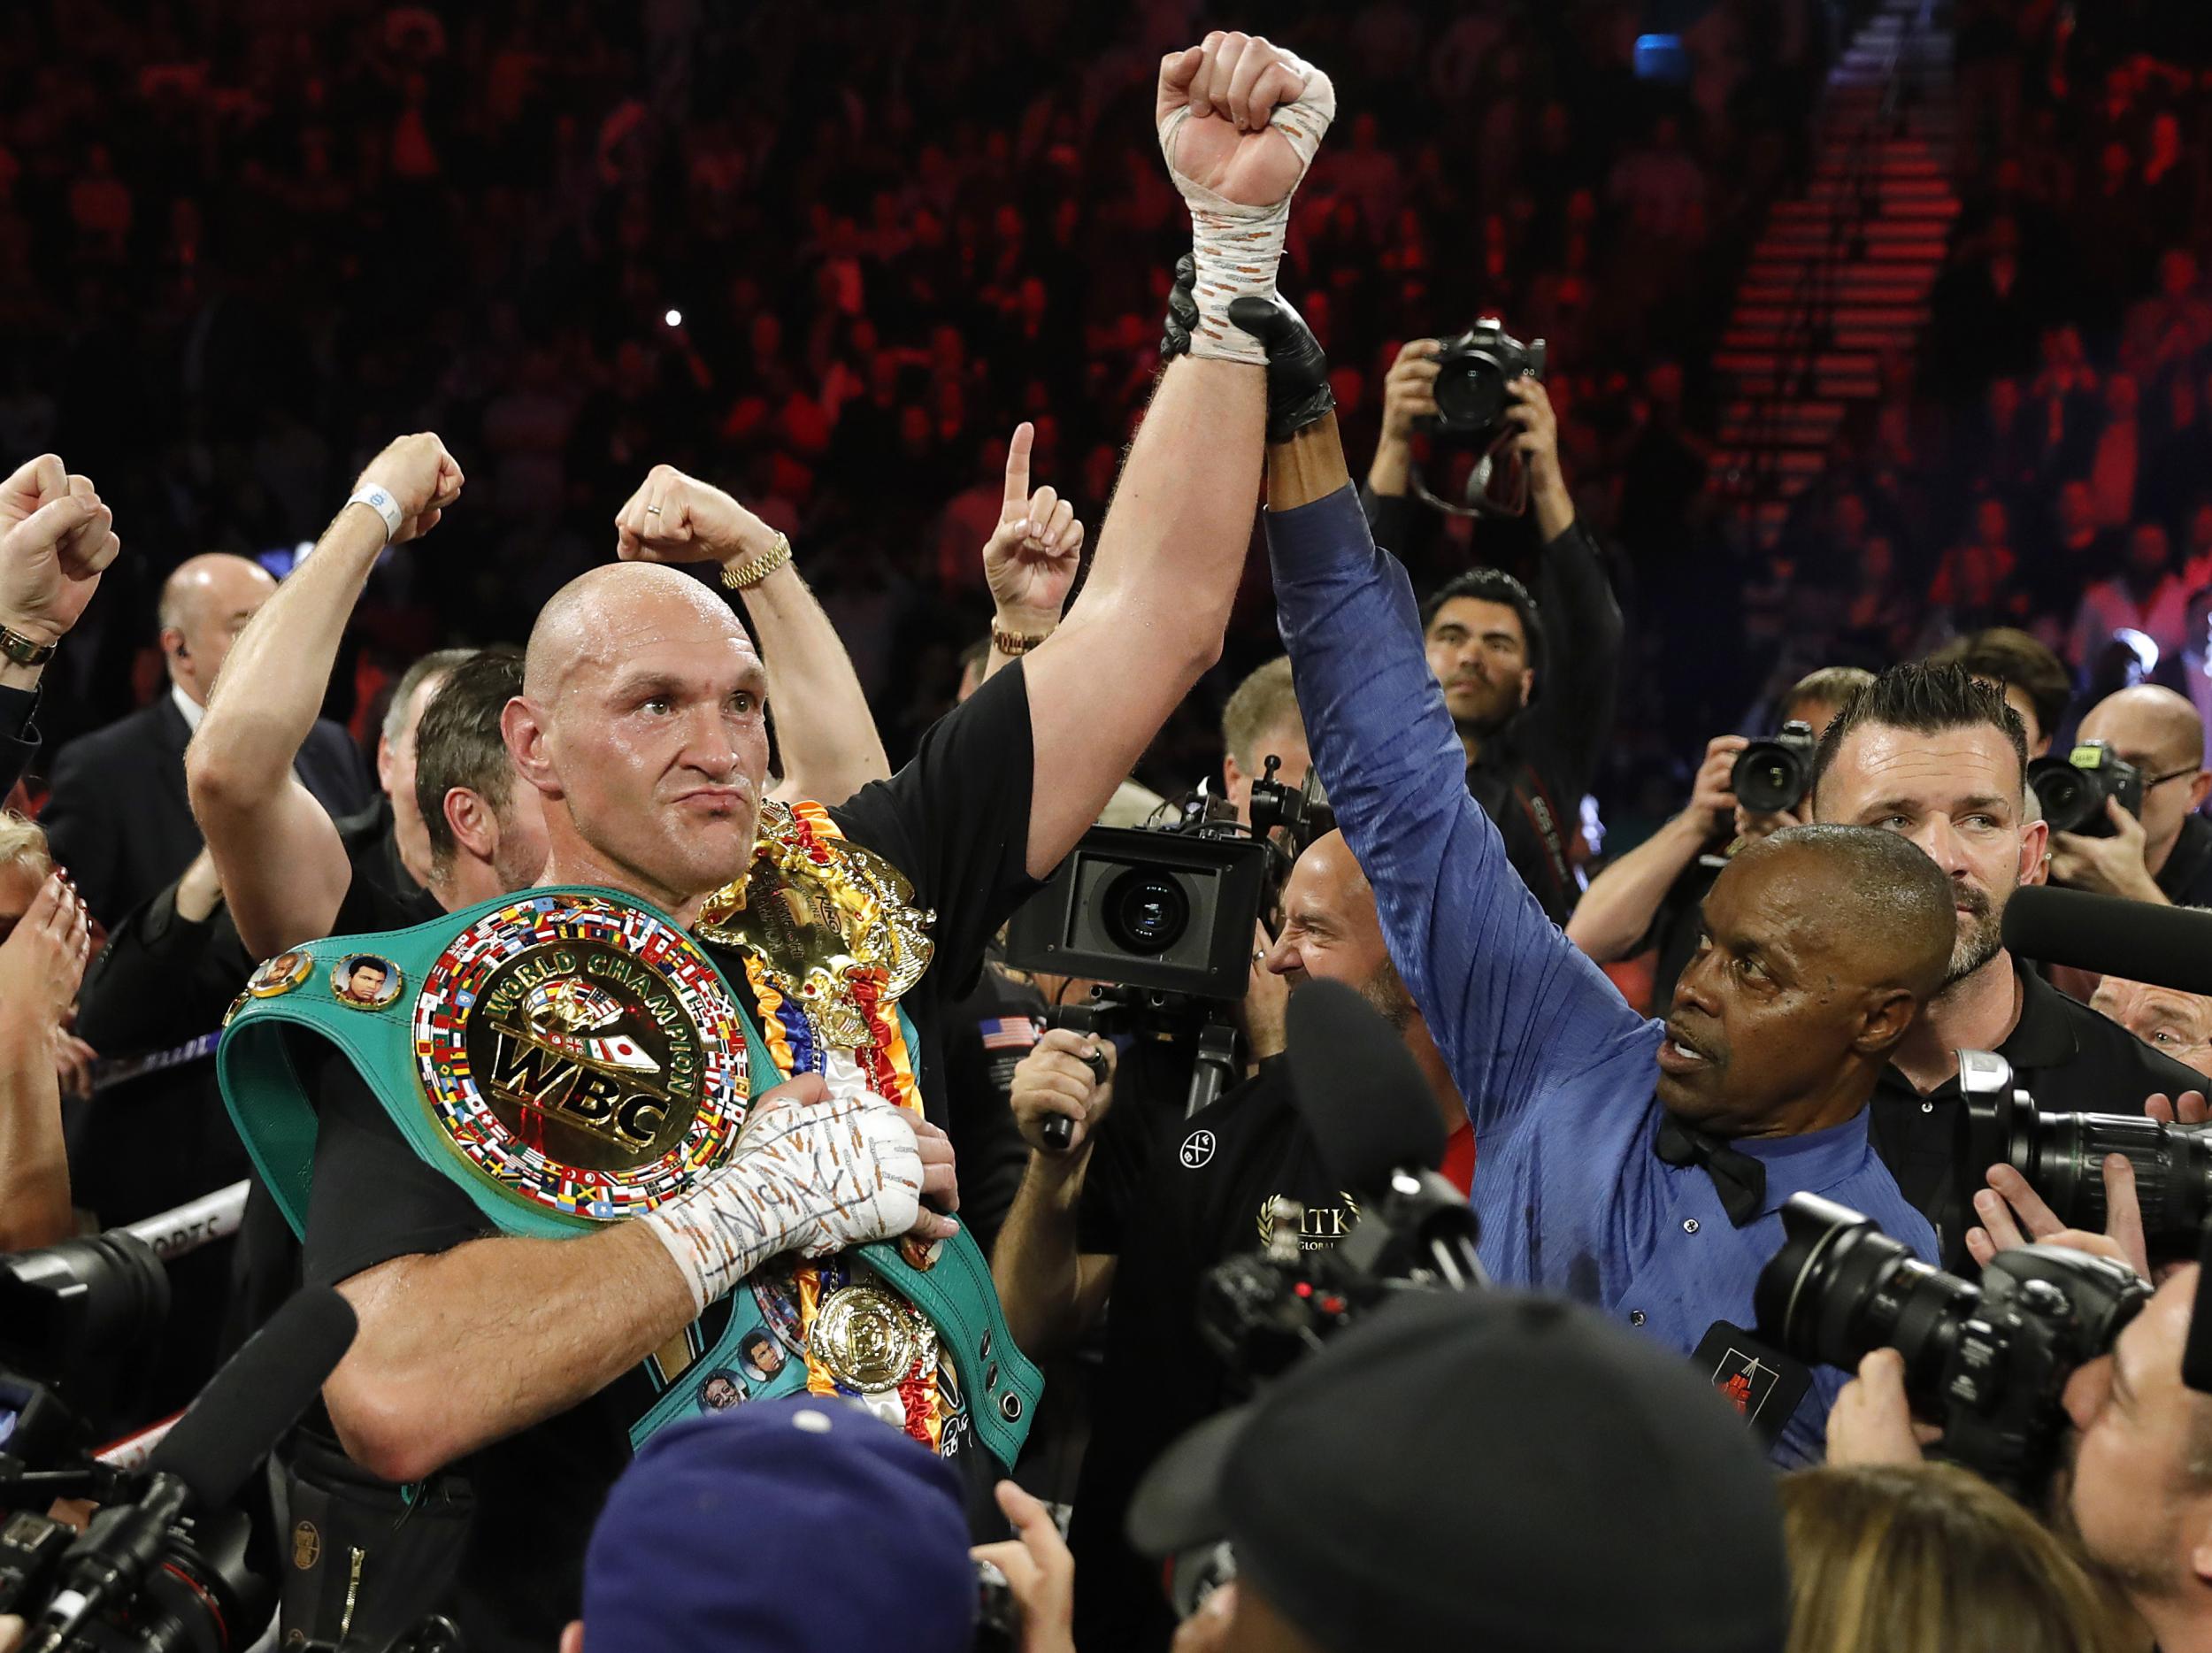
pixel 379 499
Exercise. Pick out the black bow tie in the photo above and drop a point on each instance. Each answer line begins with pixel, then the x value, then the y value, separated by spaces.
pixel 1739 1180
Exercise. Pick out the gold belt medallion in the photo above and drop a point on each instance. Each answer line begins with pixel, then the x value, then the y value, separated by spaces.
pixel 869 1339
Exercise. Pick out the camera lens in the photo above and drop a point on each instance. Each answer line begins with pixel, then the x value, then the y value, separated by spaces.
pixel 2072 798
pixel 1470 394
pixel 1768 777
pixel 1839 1288
pixel 2063 1155
pixel 1145 911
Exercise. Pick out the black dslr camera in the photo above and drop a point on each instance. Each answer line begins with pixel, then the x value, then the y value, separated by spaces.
pixel 2072 790
pixel 1771 775
pixel 1988 1361
pixel 1472 371
pixel 2063 1155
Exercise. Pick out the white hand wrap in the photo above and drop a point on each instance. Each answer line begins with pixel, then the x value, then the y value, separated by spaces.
pixel 810 1177
pixel 1235 247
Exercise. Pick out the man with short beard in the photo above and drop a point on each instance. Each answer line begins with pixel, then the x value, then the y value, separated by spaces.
pixel 1207 1195
pixel 1934 754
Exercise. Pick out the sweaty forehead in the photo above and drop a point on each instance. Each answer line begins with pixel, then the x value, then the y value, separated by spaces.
pixel 1879 764
pixel 1777 900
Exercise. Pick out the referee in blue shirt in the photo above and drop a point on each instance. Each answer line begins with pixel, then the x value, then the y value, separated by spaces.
pixel 1629 1164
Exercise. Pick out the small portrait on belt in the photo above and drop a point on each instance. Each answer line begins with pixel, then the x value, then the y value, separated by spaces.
pixel 760 1355
pixel 366 981
pixel 280 974
pixel 721 1391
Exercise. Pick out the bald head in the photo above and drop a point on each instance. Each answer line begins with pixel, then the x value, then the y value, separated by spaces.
pixel 2147 722
pixel 2161 734
pixel 600 615
pixel 204 604
pixel 1873 902
pixel 642 723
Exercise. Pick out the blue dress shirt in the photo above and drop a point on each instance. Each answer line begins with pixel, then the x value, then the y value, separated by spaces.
pixel 1559 1073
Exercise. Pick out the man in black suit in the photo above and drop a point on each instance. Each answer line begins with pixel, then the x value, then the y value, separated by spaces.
pixel 118 818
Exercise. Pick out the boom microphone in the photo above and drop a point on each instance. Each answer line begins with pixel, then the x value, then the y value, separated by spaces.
pixel 223 1435
pixel 2138 940
pixel 1373 1118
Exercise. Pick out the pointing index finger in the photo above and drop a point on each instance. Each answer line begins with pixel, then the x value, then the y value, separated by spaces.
pixel 1018 464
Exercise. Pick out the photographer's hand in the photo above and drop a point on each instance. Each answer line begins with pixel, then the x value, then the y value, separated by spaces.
pixel 1039 1572
pixel 2189 1108
pixel 1055 1080
pixel 2109 866
pixel 1871 1421
pixel 2014 1214
pixel 1537 445
pixel 1408 392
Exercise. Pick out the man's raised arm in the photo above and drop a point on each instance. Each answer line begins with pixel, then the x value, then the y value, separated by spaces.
pixel 1515 1008
pixel 282 866
pixel 1239 121
pixel 824 729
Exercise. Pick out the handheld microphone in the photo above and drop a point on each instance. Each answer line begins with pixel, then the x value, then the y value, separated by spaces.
pixel 1373 1118
pixel 223 1437
pixel 2138 940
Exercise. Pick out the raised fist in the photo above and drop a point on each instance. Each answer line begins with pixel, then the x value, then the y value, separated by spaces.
pixel 422 477
pixel 1031 558
pixel 1251 128
pixel 678 519
pixel 56 537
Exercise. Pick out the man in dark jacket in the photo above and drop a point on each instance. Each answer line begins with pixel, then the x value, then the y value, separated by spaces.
pixel 118 818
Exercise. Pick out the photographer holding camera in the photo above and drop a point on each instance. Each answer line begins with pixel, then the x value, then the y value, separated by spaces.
pixel 1530 732
pixel 2143 839
pixel 2133 1490
pixel 1936 755
pixel 1208 1191
pixel 1651 896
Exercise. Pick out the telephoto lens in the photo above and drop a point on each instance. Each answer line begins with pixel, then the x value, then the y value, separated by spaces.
pixel 1988 1361
pixel 2063 1155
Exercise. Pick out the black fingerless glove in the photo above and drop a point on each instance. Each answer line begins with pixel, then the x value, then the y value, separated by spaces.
pixel 1182 311
pixel 1297 372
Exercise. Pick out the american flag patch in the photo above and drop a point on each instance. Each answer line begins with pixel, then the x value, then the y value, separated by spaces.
pixel 1007 1033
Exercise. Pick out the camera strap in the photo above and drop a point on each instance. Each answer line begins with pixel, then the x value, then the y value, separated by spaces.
pixel 1543 816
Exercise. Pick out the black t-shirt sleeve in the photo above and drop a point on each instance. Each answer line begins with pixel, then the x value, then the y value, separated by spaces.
pixel 374 1199
pixel 369 908
pixel 956 821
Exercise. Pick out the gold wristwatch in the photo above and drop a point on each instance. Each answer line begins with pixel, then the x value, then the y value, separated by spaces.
pixel 1014 644
pixel 752 570
pixel 23 650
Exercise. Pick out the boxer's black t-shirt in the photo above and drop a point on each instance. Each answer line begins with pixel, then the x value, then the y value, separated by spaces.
pixel 956 821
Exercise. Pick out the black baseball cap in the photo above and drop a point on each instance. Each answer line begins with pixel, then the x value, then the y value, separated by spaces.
pixel 1487 1469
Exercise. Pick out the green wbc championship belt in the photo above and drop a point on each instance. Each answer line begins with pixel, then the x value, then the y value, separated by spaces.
pixel 571 1058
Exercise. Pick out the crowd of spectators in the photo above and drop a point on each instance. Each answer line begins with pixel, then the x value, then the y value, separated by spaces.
pixel 2041 454
pixel 828 259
